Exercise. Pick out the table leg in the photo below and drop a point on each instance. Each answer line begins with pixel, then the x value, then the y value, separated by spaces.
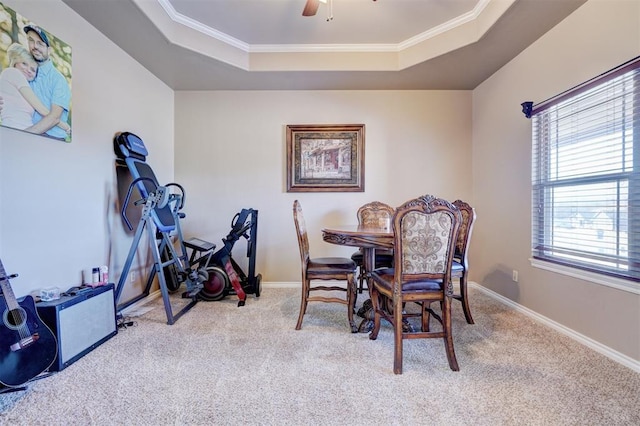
pixel 369 261
pixel 366 325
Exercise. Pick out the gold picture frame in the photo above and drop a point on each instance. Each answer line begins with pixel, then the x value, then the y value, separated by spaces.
pixel 325 158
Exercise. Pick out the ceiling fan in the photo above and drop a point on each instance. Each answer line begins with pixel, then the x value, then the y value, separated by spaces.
pixel 311 7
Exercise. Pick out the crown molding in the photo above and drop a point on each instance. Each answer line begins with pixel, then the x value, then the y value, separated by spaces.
pixel 189 33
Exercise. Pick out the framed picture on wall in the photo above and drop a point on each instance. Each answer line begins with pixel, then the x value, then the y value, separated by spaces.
pixel 35 82
pixel 325 158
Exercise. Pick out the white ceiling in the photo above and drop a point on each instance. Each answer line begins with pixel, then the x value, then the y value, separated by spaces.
pixel 276 22
pixel 374 45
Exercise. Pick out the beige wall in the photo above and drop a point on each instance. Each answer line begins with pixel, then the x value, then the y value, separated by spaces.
pixel 57 210
pixel 597 37
pixel 230 154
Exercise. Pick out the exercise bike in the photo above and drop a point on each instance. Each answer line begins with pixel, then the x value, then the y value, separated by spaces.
pixel 225 276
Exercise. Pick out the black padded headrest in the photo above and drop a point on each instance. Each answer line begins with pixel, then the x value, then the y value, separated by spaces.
pixel 126 144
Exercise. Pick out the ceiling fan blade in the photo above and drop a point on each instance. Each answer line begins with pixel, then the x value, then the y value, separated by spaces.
pixel 311 7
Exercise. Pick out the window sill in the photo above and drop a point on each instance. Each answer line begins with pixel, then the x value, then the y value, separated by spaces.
pixel 617 283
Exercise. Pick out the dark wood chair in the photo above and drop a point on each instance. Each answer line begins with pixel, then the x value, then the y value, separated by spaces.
pixel 373 215
pixel 460 265
pixel 323 268
pixel 426 230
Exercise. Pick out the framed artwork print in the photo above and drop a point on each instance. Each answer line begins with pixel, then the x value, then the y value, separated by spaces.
pixel 325 158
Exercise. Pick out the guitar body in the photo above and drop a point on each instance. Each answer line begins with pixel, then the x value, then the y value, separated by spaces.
pixel 27 346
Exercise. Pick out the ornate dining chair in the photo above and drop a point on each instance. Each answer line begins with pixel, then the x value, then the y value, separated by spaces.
pixel 323 268
pixel 425 230
pixel 373 215
pixel 460 265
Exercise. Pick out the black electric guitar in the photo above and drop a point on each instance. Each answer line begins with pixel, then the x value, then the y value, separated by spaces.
pixel 27 345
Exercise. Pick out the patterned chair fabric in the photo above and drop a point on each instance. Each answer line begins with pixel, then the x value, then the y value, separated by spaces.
pixel 373 215
pixel 424 248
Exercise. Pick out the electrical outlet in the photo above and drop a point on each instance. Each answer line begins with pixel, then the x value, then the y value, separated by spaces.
pixel 514 277
pixel 132 274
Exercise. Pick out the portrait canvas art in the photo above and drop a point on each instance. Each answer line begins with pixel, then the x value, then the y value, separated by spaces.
pixel 35 78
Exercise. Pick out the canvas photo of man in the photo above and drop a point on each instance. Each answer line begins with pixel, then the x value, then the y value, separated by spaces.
pixel 35 81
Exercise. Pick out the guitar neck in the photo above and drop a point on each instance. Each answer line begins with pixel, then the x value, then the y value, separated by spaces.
pixel 7 291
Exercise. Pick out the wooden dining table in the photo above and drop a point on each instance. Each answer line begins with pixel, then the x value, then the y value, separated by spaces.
pixel 367 238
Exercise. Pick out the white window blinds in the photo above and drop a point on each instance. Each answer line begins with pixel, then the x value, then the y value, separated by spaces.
pixel 585 175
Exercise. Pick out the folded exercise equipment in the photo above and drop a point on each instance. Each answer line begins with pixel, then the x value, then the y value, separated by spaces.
pixel 207 275
pixel 161 218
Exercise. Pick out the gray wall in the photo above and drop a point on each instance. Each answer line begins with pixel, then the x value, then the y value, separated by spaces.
pixel 58 210
pixel 594 39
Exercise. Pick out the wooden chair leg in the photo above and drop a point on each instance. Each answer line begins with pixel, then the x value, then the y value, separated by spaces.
pixel 448 338
pixel 303 302
pixel 352 295
pixel 355 292
pixel 465 300
pixel 397 336
pixel 426 316
pixel 375 305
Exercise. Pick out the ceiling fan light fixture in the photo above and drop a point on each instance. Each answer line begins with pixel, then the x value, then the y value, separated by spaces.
pixel 311 7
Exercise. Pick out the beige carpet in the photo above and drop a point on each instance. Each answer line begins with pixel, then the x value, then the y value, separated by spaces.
pixel 220 364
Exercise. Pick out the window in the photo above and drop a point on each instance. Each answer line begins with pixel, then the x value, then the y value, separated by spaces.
pixel 585 175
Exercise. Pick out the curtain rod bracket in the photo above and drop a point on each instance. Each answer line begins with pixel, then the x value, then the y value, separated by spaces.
pixel 527 108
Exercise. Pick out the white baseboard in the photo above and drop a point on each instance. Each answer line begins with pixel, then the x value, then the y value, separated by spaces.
pixel 580 338
pixel 285 284
pixel 155 294
pixel 134 306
